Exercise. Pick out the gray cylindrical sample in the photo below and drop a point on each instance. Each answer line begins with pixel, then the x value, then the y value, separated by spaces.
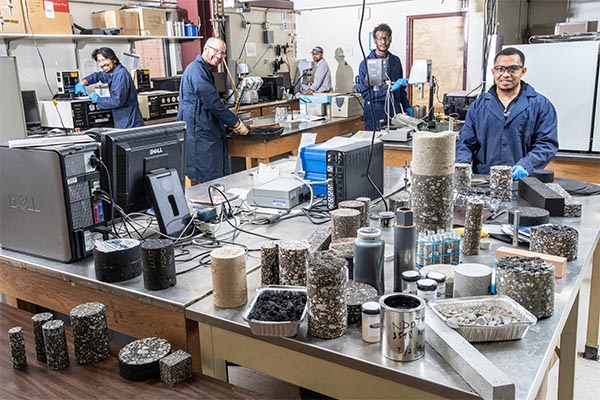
pixel 462 175
pixel 433 154
pixel 369 251
pixel 445 269
pixel 360 207
pixel 90 333
pixel 529 281
pixel 401 200
pixel 269 264
pixel 326 285
pixel 516 220
pixel 358 293
pixel 529 216
pixel 57 355
pixel 386 219
pixel 501 182
pixel 473 225
pixel 228 273
pixel 345 222
pixel 36 322
pixel 557 240
pixel 158 257
pixel 402 327
pixel 405 242
pixel 344 247
pixel 139 360
pixel 366 216
pixel 472 280
pixel 293 261
pixel 544 175
pixel 17 347
pixel 117 260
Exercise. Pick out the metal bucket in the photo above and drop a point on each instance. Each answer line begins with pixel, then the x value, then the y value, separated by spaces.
pixel 402 327
pixel 419 112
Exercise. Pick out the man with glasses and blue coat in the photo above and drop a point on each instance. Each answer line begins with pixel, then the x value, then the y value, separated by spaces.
pixel 511 124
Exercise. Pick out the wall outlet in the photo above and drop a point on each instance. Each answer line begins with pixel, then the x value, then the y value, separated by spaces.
pixel 284 26
pixel 266 26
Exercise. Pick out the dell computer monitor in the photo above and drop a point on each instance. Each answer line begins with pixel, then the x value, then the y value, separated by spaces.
pixel 136 158
pixel 30 107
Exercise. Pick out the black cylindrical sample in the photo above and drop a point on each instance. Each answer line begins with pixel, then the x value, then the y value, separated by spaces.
pixel 117 260
pixel 269 264
pixel 17 347
pixel 405 242
pixel 90 333
pixel 37 321
pixel 57 355
pixel 139 360
pixel 544 175
pixel 369 250
pixel 159 264
pixel 529 216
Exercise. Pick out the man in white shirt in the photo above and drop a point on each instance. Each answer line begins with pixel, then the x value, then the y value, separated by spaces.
pixel 322 79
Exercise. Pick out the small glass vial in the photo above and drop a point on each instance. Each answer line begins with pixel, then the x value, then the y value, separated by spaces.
pixel 409 281
pixel 370 322
pixel 386 219
pixel 427 289
pixel 440 279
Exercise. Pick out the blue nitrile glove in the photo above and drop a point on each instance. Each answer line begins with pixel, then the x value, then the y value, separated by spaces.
pixel 94 97
pixel 519 172
pixel 400 83
pixel 409 111
pixel 80 89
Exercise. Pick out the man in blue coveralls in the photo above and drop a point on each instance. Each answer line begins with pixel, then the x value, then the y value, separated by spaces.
pixel 382 35
pixel 511 124
pixel 123 99
pixel 206 116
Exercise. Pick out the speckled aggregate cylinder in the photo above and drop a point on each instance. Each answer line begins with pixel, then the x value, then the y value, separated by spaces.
pixel 345 222
pixel 326 286
pixel 159 264
pixel 228 272
pixel 472 280
pixel 139 360
pixel 360 207
pixel 433 180
pixel 401 200
pixel 293 261
pixel 57 355
pixel 358 293
pixel 344 247
pixel 366 215
pixel 529 281
pixel 473 224
pixel 269 264
pixel 501 182
pixel 17 347
pixel 462 175
pixel 90 333
pixel 446 269
pixel 36 322
pixel 557 240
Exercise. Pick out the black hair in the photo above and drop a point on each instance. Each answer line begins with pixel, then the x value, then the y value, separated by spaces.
pixel 106 52
pixel 511 51
pixel 382 28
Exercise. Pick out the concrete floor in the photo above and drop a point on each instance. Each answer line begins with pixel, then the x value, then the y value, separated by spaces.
pixel 587 372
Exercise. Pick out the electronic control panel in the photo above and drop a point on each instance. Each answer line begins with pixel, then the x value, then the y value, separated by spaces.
pixel 77 113
pixel 158 104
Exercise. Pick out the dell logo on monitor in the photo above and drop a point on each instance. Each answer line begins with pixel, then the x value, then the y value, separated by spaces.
pixel 158 150
pixel 23 202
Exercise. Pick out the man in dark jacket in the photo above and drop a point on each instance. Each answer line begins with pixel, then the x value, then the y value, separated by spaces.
pixel 206 116
pixel 511 124
pixel 123 99
pixel 382 35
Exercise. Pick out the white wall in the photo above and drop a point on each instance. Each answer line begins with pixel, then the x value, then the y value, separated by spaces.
pixel 584 10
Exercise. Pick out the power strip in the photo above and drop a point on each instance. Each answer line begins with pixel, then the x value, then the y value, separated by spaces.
pixel 219 228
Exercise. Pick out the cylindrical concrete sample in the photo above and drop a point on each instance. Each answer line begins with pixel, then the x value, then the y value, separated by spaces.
pixel 366 215
pixel 557 240
pixel 139 360
pixel 401 200
pixel 345 222
pixel 529 281
pixel 326 286
pixel 529 216
pixel 544 175
pixel 36 322
pixel 269 264
pixel 462 175
pixel 433 153
pixel 344 247
pixel 158 257
pixel 17 347
pixel 446 269
pixel 228 271
pixel 473 225
pixel 57 355
pixel 117 260
pixel 293 261
pixel 360 207
pixel 501 182
pixel 472 280
pixel 358 293
pixel 90 333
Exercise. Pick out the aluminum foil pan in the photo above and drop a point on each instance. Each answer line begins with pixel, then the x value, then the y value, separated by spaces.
pixel 269 328
pixel 521 319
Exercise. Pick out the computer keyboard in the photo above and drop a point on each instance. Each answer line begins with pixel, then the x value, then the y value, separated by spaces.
pixel 48 141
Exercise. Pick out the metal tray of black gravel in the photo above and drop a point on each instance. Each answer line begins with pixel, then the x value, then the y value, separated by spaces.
pixel 260 134
pixel 287 328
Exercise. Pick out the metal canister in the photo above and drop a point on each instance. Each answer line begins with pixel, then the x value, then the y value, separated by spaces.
pixel 402 327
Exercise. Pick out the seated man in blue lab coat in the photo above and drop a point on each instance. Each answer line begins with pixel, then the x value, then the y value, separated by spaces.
pixel 511 124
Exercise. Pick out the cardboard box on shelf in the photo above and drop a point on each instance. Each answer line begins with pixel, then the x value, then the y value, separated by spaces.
pixel 127 22
pixel 153 21
pixel 11 17
pixel 47 16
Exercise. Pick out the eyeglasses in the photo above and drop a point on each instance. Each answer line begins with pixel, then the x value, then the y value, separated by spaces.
pixel 382 38
pixel 217 51
pixel 512 69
